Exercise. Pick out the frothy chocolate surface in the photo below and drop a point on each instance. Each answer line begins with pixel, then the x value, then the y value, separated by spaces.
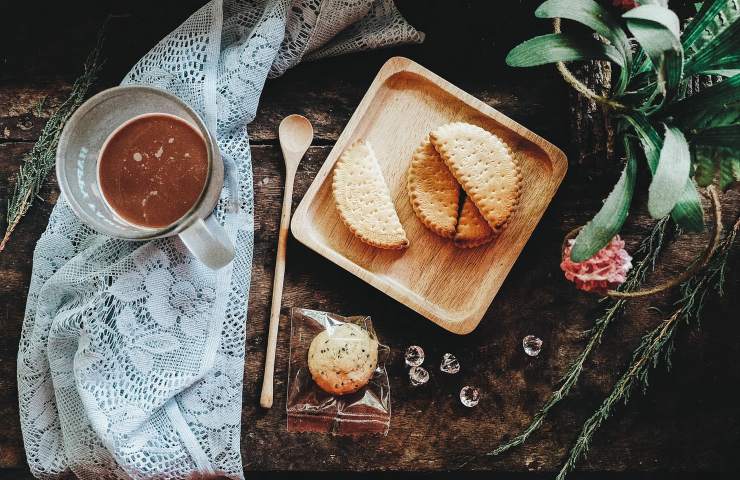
pixel 153 170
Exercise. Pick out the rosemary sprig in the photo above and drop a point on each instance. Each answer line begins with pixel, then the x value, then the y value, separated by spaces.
pixel 657 346
pixel 40 161
pixel 649 249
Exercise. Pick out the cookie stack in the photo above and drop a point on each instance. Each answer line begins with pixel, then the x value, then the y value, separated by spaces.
pixel 457 164
pixel 460 163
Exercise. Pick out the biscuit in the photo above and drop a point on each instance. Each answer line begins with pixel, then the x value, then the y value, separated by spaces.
pixel 342 359
pixel 433 191
pixel 363 199
pixel 472 229
pixel 483 165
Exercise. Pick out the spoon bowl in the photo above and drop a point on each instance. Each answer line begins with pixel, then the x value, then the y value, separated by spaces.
pixel 296 134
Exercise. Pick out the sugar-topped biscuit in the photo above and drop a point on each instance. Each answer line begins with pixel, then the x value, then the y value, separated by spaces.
pixel 342 359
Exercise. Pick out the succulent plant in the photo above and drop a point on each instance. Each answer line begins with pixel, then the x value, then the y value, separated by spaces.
pixel 686 141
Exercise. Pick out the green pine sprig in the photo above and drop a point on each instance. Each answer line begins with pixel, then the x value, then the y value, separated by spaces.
pixel 657 346
pixel 40 161
pixel 649 250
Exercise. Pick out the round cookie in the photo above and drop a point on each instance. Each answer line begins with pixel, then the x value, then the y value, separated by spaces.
pixel 342 359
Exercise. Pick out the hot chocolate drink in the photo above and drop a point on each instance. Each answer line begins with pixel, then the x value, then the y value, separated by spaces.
pixel 153 169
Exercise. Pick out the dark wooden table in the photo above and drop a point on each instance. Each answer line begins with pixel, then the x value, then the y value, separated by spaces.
pixel 687 424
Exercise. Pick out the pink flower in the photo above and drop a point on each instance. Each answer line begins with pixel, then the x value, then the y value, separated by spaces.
pixel 605 270
pixel 624 4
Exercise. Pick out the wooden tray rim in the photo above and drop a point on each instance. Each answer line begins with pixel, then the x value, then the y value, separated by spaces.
pixel 459 323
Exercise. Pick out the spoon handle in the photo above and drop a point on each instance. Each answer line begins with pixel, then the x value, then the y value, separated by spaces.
pixel 277 292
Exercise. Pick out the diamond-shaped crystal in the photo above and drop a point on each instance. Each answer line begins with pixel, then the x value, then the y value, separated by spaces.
pixel 418 376
pixel 469 396
pixel 450 364
pixel 414 356
pixel 532 345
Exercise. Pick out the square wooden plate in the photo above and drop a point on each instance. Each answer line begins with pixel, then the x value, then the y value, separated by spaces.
pixel 453 287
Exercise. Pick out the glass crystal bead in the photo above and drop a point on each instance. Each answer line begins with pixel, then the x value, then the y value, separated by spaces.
pixel 414 356
pixel 450 364
pixel 418 376
pixel 532 345
pixel 469 396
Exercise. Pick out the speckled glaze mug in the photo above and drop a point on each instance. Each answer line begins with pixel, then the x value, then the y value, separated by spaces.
pixel 79 147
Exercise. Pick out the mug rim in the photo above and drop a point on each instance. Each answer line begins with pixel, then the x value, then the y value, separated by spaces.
pixel 62 146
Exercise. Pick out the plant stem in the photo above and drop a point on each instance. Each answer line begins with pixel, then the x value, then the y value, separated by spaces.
pixel 657 345
pixel 40 161
pixel 650 247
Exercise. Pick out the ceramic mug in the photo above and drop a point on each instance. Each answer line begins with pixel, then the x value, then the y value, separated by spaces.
pixel 80 145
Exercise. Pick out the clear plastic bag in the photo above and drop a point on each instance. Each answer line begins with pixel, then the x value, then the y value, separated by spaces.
pixel 311 409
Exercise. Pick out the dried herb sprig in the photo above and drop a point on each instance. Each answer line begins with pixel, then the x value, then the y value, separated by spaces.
pixel 40 161
pixel 657 346
pixel 649 249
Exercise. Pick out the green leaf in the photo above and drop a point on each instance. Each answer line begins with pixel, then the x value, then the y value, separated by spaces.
pixel 688 212
pixel 649 137
pixel 639 95
pixel 656 28
pixel 671 175
pixel 560 47
pixel 726 176
pixel 722 73
pixel 640 64
pixel 598 19
pixel 724 161
pixel 588 13
pixel 719 52
pixel 728 62
pixel 592 15
pixel 641 87
pixel 727 136
pixel 656 14
pixel 713 17
pixel 597 233
pixel 705 168
pixel 716 106
pixel 703 19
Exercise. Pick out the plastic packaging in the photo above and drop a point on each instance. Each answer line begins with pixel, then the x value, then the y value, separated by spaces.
pixel 311 409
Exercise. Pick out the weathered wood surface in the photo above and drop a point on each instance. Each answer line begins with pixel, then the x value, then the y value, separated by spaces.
pixel 592 130
pixel 686 423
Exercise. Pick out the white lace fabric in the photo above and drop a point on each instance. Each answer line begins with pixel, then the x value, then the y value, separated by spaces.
pixel 132 354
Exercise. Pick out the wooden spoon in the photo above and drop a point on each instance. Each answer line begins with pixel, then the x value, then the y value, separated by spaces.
pixel 296 135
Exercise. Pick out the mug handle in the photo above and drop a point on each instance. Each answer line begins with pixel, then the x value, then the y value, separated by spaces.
pixel 209 242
